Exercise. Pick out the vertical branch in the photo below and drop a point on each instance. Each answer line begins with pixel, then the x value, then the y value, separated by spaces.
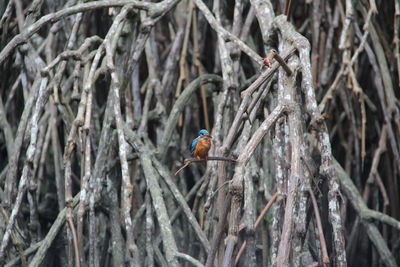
pixel 160 209
pixel 396 37
pixel 236 185
pixel 149 232
pixel 86 175
pixel 126 187
pixel 57 156
pixel 28 166
pixel 281 186
pixel 295 137
pixel 11 180
pixel 265 16
pixel 200 69
pixel 327 170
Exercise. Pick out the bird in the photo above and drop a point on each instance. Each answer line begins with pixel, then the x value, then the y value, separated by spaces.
pixel 201 145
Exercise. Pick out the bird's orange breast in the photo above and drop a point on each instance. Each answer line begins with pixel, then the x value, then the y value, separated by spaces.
pixel 202 147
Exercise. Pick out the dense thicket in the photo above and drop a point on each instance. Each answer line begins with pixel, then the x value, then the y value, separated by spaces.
pixel 99 102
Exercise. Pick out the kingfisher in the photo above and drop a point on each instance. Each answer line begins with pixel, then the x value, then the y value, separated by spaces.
pixel 201 145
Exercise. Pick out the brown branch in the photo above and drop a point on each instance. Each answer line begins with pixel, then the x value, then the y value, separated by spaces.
pixel 259 219
pixel 274 54
pixel 219 231
pixel 288 9
pixel 74 239
pixel 189 161
pixel 373 173
pixel 325 257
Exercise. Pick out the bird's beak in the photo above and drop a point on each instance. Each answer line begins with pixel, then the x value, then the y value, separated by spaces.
pixel 209 136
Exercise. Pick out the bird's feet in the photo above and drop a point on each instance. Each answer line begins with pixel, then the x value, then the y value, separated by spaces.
pixel 198 157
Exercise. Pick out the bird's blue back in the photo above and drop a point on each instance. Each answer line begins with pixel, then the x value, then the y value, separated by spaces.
pixel 194 144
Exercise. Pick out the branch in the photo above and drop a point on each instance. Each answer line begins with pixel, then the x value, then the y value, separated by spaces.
pixel 189 259
pixel 303 46
pixel 178 107
pixel 227 36
pixel 26 253
pixel 259 218
pixel 51 235
pixel 219 231
pixel 152 177
pixel 357 202
pixel 164 172
pixel 260 133
pixel 189 161
pixel 325 257
pixel 274 54
pixel 56 16
pixel 127 188
pixel 365 213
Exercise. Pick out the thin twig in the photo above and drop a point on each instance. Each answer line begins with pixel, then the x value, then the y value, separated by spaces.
pixel 189 161
pixel 274 54
pixel 259 219
pixel 325 257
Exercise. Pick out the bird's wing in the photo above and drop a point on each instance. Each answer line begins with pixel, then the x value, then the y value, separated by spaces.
pixel 193 146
